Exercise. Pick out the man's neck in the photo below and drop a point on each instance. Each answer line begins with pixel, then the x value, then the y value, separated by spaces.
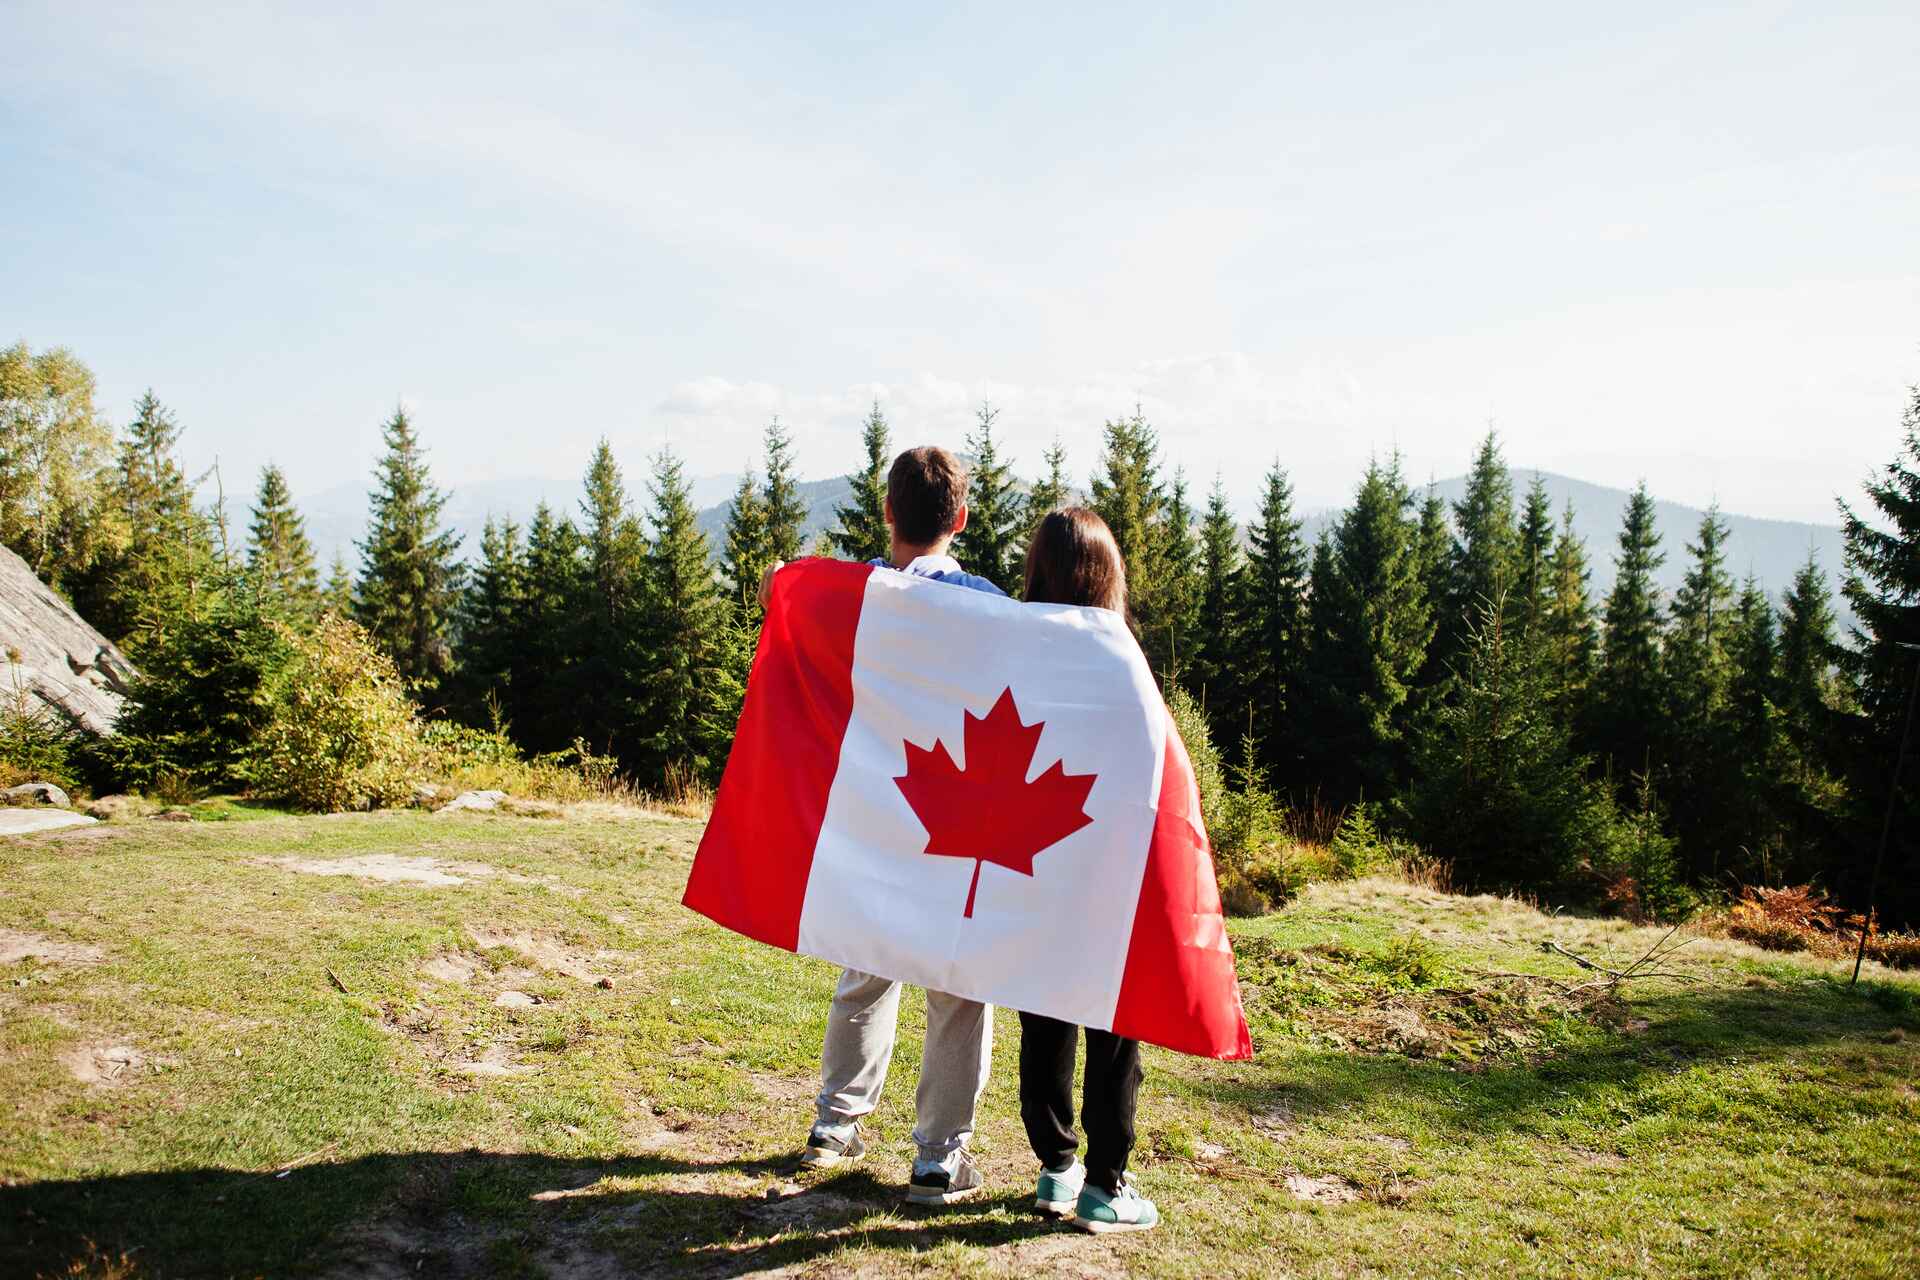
pixel 900 555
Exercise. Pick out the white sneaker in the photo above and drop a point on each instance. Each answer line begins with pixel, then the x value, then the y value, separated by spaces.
pixel 1098 1212
pixel 1058 1192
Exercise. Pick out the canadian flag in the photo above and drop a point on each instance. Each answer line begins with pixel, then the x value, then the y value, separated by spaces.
pixel 955 790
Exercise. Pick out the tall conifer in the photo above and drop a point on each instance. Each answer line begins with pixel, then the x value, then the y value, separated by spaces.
pixel 991 543
pixel 612 663
pixel 1533 585
pixel 1273 631
pixel 409 564
pixel 1369 628
pixel 744 557
pixel 1571 640
pixel 860 530
pixel 1181 577
pixel 544 698
pixel 279 557
pixel 1805 691
pixel 786 514
pixel 1628 693
pixel 1486 556
pixel 1130 497
pixel 1216 670
pixel 685 624
pixel 492 626
pixel 1051 491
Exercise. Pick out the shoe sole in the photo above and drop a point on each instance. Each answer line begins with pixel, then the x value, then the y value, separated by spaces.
pixel 934 1199
pixel 1102 1228
pixel 1058 1208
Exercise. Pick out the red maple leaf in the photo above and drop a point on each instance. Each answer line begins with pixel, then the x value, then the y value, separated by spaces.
pixel 989 811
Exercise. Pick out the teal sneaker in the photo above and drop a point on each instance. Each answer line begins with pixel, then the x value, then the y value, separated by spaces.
pixel 1058 1192
pixel 1098 1212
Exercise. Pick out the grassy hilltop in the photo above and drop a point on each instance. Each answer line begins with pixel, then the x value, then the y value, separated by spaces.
pixel 500 1047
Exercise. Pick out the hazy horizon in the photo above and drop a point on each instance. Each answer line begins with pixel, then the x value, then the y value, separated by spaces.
pixel 1640 244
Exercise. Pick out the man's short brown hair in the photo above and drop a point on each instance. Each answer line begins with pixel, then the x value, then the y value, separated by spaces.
pixel 926 489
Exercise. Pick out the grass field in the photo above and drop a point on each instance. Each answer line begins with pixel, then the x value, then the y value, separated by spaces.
pixel 529 1060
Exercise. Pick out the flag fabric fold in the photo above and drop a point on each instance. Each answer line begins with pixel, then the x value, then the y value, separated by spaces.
pixel 955 790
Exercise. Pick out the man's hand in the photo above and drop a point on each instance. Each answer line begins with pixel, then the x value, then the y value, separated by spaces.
pixel 766 582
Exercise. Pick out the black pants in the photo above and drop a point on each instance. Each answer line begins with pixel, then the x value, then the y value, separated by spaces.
pixel 1108 1095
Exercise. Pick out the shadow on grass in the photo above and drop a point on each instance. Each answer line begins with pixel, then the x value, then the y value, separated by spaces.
pixel 476 1213
pixel 1673 1032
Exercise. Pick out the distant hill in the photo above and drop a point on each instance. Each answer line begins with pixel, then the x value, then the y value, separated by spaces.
pixel 1771 550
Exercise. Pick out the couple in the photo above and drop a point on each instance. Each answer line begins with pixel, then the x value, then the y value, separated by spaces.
pixel 1073 560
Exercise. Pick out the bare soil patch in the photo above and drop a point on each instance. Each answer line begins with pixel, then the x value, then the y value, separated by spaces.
pixel 547 952
pixel 17 945
pixel 1327 1189
pixel 388 868
pixel 104 1065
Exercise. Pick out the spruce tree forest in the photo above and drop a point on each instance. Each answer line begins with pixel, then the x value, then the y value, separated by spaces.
pixel 1435 675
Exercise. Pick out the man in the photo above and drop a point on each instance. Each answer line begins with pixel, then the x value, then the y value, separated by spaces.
pixel 926 506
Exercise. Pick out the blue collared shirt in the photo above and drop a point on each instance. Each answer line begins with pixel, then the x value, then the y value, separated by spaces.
pixel 941 569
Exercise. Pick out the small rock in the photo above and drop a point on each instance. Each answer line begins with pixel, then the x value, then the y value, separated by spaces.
pixel 173 815
pixel 37 793
pixel 605 984
pixel 425 793
pixel 515 1000
pixel 474 801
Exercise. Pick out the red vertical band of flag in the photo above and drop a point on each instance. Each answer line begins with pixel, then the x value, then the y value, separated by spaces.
pixel 751 871
pixel 1179 989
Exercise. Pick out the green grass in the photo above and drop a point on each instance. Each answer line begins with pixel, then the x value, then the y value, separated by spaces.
pixel 251 1118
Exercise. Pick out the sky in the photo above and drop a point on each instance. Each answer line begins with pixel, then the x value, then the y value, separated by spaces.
pixel 1671 242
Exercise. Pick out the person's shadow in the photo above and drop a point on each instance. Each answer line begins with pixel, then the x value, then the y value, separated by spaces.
pixel 477 1213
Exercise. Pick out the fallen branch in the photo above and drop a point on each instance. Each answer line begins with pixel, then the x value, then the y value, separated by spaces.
pixel 334 978
pixel 1644 967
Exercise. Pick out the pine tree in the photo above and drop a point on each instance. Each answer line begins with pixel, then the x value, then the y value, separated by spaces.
pixel 1697 743
pixel 860 529
pixel 1499 789
pixel 1129 496
pixel 164 568
pixel 1369 626
pixel 492 625
pixel 1180 569
pixel 1629 699
pixel 279 557
pixel 410 572
pixel 611 664
pixel 1222 590
pixel 1571 641
pixel 745 556
pixel 684 640
pixel 1882 586
pixel 337 596
pixel 1273 632
pixel 786 514
pixel 1485 559
pixel 996 515
pixel 1533 585
pixel 1051 491
pixel 1805 689
pixel 540 699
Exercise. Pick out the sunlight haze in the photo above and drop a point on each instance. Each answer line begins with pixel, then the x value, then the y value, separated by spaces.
pixel 1676 243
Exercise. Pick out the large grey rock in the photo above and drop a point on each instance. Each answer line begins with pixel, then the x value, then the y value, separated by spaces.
pixel 37 793
pixel 51 658
pixel 474 801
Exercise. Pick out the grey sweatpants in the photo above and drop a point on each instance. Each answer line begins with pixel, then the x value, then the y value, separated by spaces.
pixel 953 1065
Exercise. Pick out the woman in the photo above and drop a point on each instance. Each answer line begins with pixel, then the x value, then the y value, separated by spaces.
pixel 1073 559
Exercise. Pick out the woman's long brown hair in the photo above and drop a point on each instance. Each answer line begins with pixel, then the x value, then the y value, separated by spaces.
pixel 1073 559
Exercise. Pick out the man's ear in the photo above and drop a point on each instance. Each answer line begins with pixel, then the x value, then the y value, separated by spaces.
pixel 960 521
pixel 886 512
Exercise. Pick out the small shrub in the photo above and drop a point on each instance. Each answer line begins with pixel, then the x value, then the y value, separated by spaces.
pixel 36 744
pixel 1239 896
pixel 343 732
pixel 1358 848
pixel 203 695
pixel 1895 950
